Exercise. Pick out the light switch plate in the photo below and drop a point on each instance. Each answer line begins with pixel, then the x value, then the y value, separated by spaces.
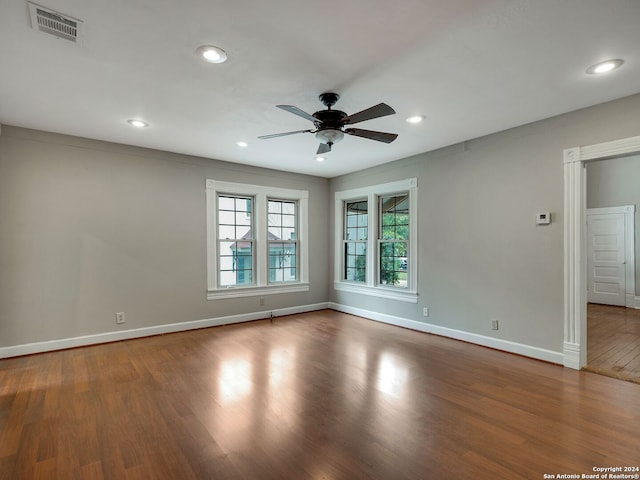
pixel 543 218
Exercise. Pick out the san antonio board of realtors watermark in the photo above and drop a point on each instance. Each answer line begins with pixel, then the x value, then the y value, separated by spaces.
pixel 599 473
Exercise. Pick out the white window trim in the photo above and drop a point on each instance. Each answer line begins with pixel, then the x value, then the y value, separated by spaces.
pixel 370 286
pixel 260 194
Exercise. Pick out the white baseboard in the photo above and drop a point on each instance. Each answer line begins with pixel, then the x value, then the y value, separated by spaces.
pixel 631 301
pixel 512 347
pixel 48 346
pixel 499 344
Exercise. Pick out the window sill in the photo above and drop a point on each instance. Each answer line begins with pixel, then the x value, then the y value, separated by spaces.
pixel 380 292
pixel 253 291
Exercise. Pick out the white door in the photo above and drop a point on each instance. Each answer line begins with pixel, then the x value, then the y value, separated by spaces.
pixel 606 258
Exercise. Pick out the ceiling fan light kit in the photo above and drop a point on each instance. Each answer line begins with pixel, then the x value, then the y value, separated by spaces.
pixel 330 125
pixel 330 135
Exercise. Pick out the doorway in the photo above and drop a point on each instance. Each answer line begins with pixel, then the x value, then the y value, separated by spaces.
pixel 613 330
pixel 575 239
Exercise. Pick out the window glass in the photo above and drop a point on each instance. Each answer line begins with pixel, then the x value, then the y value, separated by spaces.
pixel 355 241
pixel 235 241
pixel 393 239
pixel 283 241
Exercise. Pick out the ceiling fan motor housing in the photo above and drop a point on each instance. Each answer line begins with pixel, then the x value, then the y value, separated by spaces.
pixel 330 124
pixel 330 118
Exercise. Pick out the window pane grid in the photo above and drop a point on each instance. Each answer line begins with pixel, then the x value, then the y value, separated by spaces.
pixel 393 263
pixel 355 254
pixel 283 245
pixel 283 261
pixel 235 240
pixel 356 233
pixel 356 220
pixel 393 240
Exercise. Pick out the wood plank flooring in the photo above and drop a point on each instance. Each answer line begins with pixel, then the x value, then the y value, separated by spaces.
pixel 322 395
pixel 613 341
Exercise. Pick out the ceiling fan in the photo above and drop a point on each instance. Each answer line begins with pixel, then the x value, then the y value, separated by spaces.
pixel 330 124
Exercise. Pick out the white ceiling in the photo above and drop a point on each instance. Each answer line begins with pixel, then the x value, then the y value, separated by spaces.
pixel 472 67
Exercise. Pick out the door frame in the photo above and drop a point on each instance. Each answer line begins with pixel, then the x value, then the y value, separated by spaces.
pixel 628 212
pixel 575 241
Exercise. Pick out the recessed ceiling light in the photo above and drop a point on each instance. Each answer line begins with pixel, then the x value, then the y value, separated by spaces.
pixel 242 144
pixel 211 54
pixel 604 67
pixel 415 119
pixel 320 159
pixel 137 123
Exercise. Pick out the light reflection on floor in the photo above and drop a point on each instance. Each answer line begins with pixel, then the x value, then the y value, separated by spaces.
pixel 235 380
pixel 392 375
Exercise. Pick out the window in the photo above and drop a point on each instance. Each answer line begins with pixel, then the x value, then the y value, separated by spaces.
pixel 283 243
pixel 393 239
pixel 235 241
pixel 256 240
pixel 376 247
pixel 356 231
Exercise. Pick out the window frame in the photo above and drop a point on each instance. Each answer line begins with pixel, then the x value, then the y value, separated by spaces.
pixel 380 241
pixel 261 196
pixel 236 239
pixel 296 242
pixel 347 241
pixel 372 285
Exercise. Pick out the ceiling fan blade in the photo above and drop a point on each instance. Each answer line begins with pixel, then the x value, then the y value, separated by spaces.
pixel 371 135
pixel 323 148
pixel 297 111
pixel 274 135
pixel 380 110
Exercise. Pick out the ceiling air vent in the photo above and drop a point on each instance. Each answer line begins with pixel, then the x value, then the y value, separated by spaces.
pixel 54 23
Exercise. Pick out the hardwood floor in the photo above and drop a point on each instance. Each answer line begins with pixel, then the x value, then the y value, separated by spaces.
pixel 322 395
pixel 613 341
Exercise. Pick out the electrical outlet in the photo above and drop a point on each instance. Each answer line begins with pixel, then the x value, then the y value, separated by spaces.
pixel 425 312
pixel 120 317
pixel 261 300
pixel 494 324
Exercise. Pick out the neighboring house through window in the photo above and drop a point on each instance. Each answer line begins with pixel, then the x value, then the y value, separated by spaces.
pixel 235 240
pixel 283 243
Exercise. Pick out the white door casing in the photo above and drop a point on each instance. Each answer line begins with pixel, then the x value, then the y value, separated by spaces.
pixel 575 258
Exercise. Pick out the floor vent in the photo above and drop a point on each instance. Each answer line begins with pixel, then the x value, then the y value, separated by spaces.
pixel 54 23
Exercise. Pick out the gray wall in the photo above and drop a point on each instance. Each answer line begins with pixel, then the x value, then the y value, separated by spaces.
pixel 89 228
pixel 613 183
pixel 481 255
